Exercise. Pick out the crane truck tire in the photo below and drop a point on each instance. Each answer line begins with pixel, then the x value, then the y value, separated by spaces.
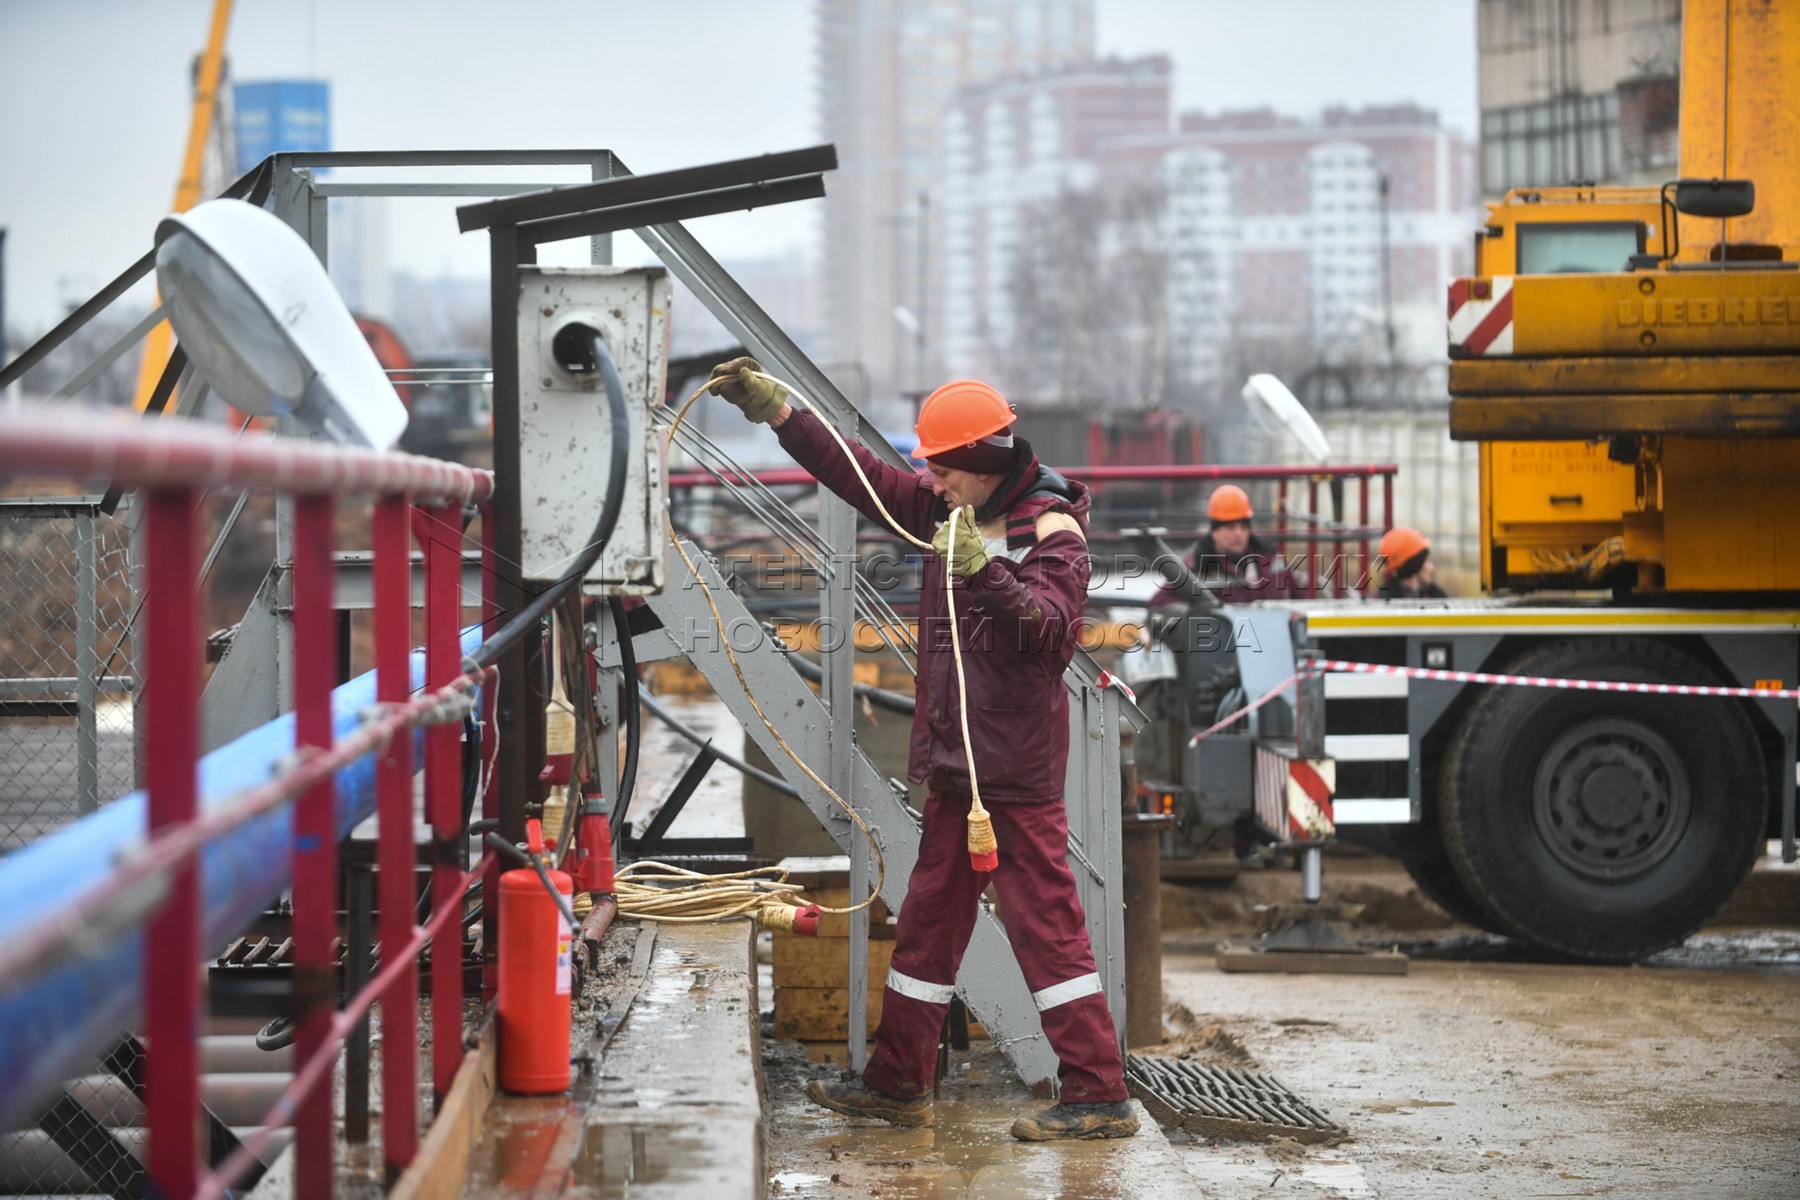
pixel 1603 825
pixel 1420 849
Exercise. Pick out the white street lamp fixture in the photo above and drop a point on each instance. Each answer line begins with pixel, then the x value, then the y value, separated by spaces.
pixel 255 311
pixel 1279 411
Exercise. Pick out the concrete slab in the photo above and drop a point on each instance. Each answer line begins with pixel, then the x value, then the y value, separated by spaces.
pixel 667 1100
pixel 677 1106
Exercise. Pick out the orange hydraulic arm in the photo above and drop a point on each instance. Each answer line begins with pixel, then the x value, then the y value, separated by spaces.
pixel 187 189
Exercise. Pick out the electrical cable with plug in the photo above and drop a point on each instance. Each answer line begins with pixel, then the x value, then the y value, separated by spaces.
pixel 656 891
pixel 983 849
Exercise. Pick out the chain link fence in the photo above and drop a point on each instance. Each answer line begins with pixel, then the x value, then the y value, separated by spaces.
pixel 66 741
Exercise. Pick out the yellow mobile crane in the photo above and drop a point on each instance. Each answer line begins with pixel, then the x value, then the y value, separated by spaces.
pixel 1629 360
pixel 1677 363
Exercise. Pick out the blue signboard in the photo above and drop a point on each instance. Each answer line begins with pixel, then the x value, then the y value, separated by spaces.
pixel 281 115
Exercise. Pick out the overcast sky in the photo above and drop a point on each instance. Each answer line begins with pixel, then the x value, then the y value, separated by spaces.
pixel 95 102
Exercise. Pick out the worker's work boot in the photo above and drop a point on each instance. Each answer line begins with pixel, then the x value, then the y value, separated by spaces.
pixel 1106 1120
pixel 854 1098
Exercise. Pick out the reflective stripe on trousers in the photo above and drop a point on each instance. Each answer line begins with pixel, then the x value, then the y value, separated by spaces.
pixel 1044 924
pixel 918 989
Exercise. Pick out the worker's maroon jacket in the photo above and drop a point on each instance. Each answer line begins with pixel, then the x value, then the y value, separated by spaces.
pixel 1019 623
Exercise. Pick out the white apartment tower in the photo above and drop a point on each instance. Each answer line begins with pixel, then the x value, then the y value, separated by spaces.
pixel 887 71
pixel 1267 231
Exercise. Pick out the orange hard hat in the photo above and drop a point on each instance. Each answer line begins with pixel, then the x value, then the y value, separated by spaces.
pixel 1401 545
pixel 959 414
pixel 1228 503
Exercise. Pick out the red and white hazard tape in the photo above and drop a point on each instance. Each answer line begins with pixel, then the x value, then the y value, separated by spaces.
pixel 1245 711
pixel 1326 665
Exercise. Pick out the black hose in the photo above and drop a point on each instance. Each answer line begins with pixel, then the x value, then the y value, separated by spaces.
pixel 737 764
pixel 599 358
pixel 879 697
pixel 634 718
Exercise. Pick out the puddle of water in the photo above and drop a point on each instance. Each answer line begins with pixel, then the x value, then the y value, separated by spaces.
pixel 614 1160
pixel 1734 950
pixel 521 1143
pixel 1403 1106
pixel 1343 1176
pixel 968 1154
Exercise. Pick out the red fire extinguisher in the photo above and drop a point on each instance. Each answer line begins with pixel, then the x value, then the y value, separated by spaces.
pixel 536 978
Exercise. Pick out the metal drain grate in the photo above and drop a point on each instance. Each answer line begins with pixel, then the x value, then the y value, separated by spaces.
pixel 1221 1102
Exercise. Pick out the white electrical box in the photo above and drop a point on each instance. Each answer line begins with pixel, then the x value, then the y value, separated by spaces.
pixel 565 424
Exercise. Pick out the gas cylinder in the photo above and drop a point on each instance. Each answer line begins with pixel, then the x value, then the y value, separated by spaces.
pixel 536 979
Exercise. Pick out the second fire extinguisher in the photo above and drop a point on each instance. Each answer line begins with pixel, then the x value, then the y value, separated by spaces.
pixel 536 977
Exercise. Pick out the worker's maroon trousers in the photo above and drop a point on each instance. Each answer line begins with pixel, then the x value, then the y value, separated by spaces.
pixel 1044 922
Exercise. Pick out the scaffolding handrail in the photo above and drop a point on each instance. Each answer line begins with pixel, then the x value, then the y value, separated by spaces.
pixel 1167 473
pixel 156 884
pixel 134 451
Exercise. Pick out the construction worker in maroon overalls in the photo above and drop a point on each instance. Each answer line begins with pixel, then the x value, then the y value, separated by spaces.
pixel 1022 566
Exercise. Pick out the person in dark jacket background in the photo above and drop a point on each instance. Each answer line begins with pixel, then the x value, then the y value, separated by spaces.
pixel 1020 558
pixel 1409 570
pixel 1237 565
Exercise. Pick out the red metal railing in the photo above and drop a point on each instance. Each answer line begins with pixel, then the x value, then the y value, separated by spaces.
pixel 1328 569
pixel 173 463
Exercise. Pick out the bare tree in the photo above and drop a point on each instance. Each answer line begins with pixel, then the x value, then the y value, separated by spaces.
pixel 1089 319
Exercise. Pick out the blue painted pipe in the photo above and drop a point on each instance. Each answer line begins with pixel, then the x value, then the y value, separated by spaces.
pixel 55 1026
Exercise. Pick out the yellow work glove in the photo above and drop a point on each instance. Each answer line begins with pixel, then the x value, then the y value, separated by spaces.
pixel 737 381
pixel 969 554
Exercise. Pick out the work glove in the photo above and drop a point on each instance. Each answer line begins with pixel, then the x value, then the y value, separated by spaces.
pixel 759 398
pixel 969 554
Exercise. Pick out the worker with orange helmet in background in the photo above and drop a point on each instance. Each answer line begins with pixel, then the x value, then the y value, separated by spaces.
pixel 1407 571
pixel 1229 558
pixel 1021 562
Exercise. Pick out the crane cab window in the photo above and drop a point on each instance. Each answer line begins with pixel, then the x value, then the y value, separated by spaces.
pixel 1559 249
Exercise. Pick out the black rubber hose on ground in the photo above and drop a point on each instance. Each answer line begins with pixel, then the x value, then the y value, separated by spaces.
pixel 699 739
pixel 634 718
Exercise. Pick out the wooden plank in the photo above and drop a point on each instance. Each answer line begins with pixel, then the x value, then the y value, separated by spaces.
pixel 812 962
pixel 819 1014
pixel 836 926
pixel 1231 957
pixel 1202 870
pixel 442 1165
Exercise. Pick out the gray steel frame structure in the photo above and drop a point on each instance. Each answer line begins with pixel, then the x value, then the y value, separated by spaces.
pixel 246 689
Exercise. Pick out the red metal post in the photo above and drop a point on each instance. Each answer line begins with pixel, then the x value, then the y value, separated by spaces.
pixel 442 535
pixel 315 837
pixel 169 707
pixel 1312 537
pixel 490 733
pixel 1367 576
pixel 1281 518
pixel 395 852
pixel 1387 501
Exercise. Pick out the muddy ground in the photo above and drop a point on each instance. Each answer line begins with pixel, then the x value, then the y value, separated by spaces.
pixel 1479 1073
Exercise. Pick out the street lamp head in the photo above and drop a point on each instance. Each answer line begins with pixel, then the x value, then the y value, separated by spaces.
pixel 255 311
pixel 1279 411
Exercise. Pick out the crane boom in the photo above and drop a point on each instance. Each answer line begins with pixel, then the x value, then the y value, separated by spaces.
pixel 187 188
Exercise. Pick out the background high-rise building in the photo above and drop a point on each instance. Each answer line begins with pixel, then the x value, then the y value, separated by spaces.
pixel 1014 255
pixel 887 70
pixel 1578 91
pixel 1093 250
